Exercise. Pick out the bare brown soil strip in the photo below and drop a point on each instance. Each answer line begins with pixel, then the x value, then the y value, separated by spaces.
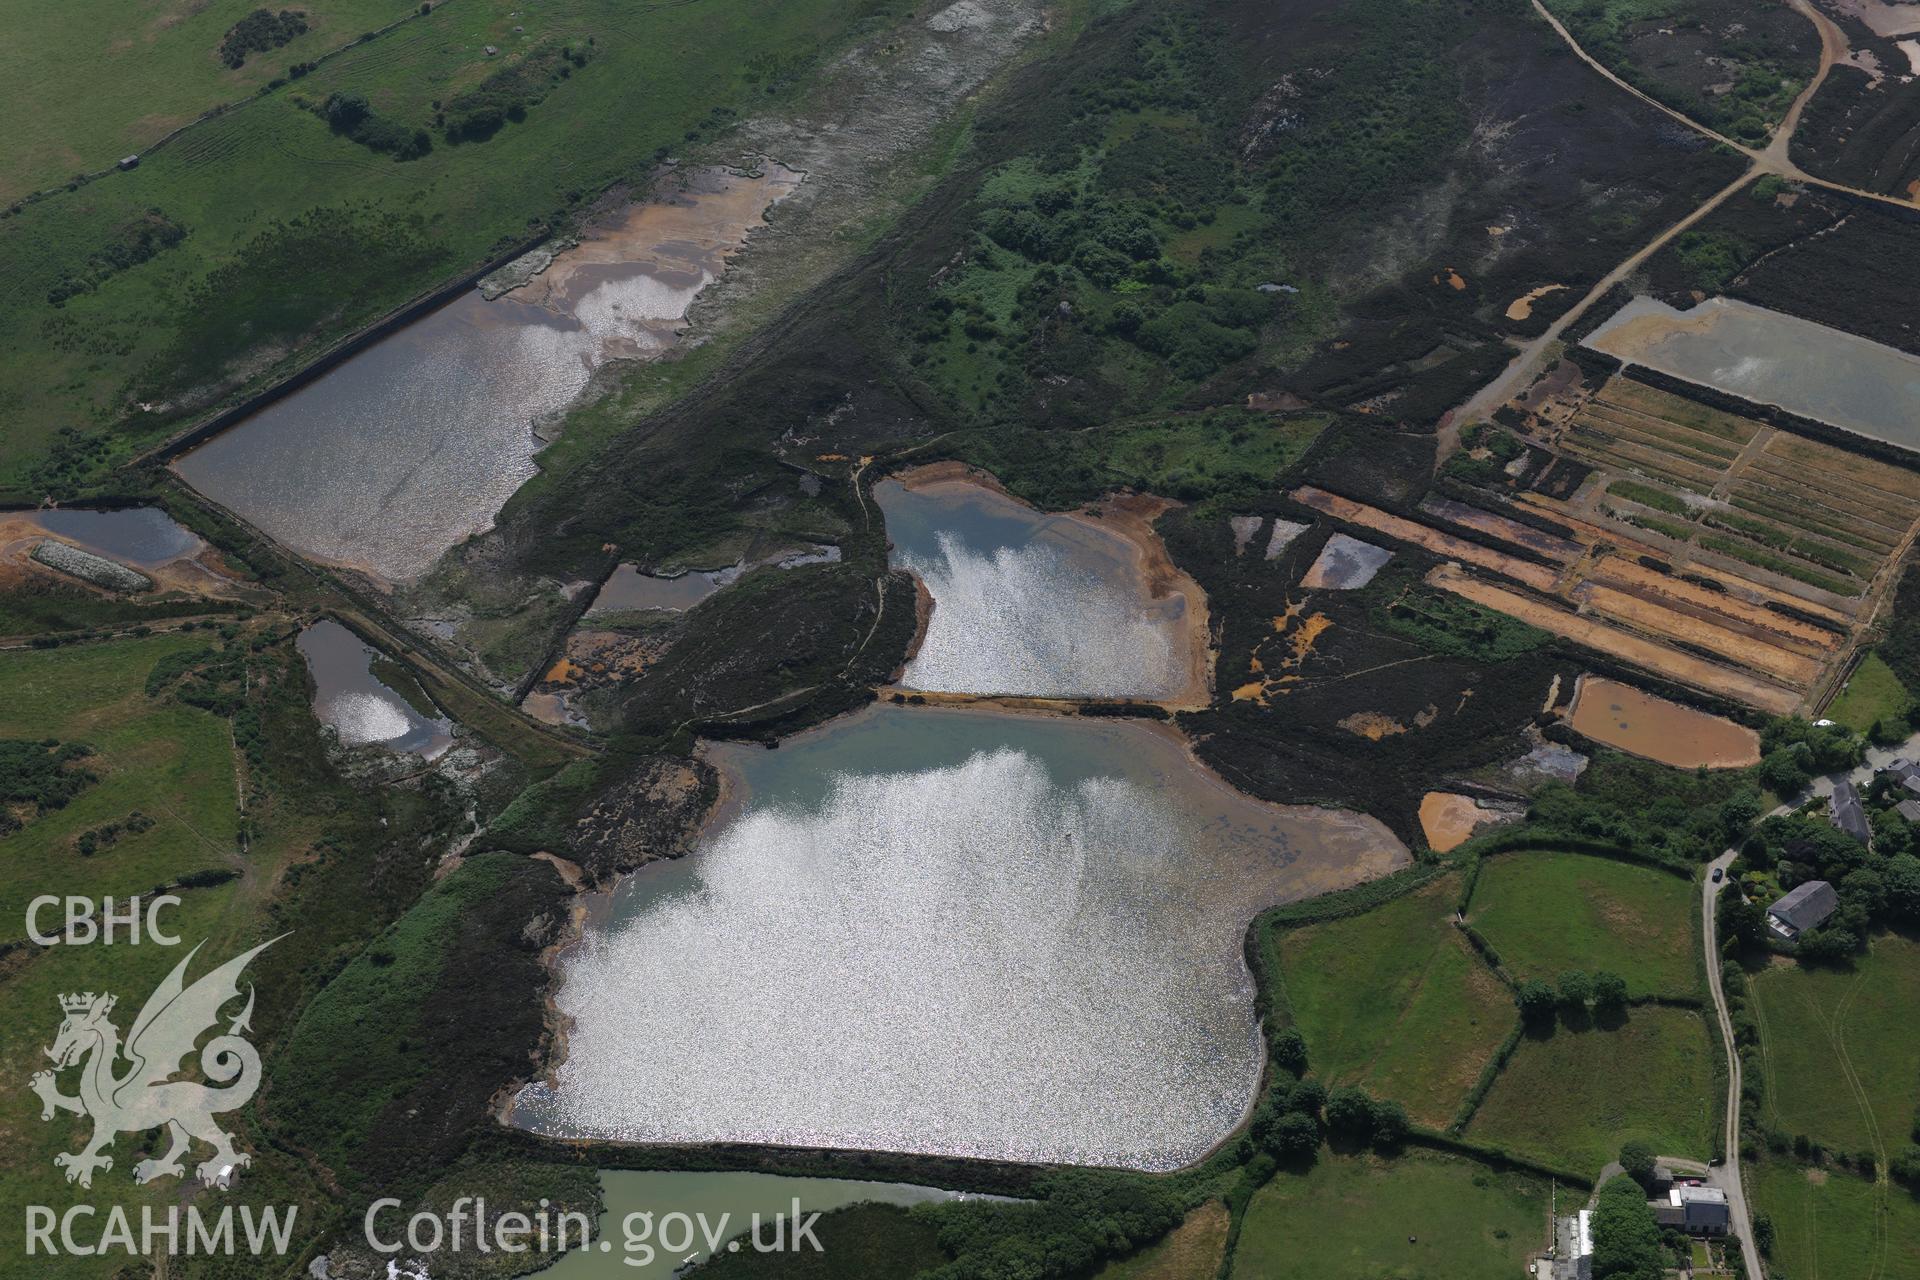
pixel 1652 656
pixel 1539 576
pixel 1737 579
pixel 1746 651
pixel 1628 575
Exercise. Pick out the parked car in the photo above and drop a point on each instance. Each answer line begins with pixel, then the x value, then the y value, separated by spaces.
pixel 1719 874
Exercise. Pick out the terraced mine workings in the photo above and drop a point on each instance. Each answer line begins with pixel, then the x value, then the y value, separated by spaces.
pixel 1619 596
pixel 1751 549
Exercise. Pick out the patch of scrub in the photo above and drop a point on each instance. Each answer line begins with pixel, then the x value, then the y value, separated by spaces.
pixel 1772 358
pixel 394 456
pixel 356 704
pixel 945 931
pixel 728 1203
pixel 1345 564
pixel 1625 717
pixel 1039 605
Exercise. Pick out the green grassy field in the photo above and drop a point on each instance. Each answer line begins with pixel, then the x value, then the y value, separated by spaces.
pixel 1841 1059
pixel 331 233
pixel 146 69
pixel 1395 1000
pixel 1835 1226
pixel 1549 912
pixel 1873 694
pixel 171 762
pixel 1350 1218
pixel 1573 1098
pixel 1191 1251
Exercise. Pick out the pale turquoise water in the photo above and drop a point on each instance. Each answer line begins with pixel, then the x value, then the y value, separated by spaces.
pixel 951 932
pixel 1028 603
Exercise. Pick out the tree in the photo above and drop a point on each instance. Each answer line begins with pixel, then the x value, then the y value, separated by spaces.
pixel 1738 812
pixel 1609 992
pixel 1901 877
pixel 1390 1124
pixel 1826 945
pixel 1626 1239
pixel 1289 1049
pixel 1349 1111
pixel 1536 1001
pixel 1740 921
pixel 1763 1233
pixel 1294 1136
pixel 1307 1098
pixel 1785 772
pixel 1637 1159
pixel 1576 988
pixel 1906 1167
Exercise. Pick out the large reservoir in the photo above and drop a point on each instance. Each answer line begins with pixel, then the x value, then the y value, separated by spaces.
pixel 945 931
pixel 394 456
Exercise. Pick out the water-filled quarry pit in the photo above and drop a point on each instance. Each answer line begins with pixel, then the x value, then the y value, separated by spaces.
pixel 947 931
pixel 1034 604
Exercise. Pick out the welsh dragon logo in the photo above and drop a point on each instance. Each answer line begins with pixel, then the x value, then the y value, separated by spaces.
pixel 144 1096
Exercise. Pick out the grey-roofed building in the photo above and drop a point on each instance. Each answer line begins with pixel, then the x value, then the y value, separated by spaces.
pixel 1908 809
pixel 1844 809
pixel 1806 907
pixel 1703 1210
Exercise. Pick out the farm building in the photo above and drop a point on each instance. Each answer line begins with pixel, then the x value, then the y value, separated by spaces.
pixel 1846 813
pixel 1804 908
pixel 1696 1210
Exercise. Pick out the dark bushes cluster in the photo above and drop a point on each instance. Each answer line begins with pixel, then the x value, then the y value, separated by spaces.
pixel 259 31
pixel 350 115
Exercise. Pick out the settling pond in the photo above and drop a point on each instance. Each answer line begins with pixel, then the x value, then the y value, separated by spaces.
pixel 948 931
pixel 1039 605
pixel 1771 358
pixel 388 460
pixel 356 704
